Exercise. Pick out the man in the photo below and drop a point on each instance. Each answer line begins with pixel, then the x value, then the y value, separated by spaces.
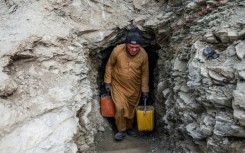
pixel 127 76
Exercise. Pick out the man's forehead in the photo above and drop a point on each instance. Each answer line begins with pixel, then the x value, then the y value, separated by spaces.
pixel 134 45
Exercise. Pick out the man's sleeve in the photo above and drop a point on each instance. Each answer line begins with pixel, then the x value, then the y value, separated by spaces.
pixel 145 75
pixel 109 67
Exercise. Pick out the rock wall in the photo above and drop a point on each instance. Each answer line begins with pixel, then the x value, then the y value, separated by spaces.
pixel 50 56
pixel 49 91
pixel 46 92
pixel 205 96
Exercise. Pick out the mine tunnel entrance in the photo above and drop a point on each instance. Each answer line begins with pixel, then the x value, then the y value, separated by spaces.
pixel 153 141
pixel 152 57
pixel 146 141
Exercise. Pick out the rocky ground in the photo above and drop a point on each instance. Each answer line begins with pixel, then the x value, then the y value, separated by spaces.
pixel 146 142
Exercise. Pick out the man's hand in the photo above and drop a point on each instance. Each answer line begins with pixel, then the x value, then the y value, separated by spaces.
pixel 107 87
pixel 145 95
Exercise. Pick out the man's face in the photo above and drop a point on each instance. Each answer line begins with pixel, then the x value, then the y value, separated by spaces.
pixel 133 49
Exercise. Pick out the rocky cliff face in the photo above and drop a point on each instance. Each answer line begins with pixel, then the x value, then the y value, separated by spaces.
pixel 208 92
pixel 50 56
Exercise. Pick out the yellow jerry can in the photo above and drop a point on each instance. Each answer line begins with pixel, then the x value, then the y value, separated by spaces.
pixel 145 117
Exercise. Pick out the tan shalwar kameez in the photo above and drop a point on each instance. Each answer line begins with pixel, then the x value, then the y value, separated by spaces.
pixel 129 76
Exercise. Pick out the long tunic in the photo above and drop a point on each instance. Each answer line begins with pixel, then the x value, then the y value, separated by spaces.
pixel 129 76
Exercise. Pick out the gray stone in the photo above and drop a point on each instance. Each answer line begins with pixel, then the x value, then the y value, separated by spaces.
pixel 223 36
pixel 187 102
pixel 194 131
pixel 209 37
pixel 101 129
pixel 162 86
pixel 239 66
pixel 7 85
pixel 242 33
pixel 158 19
pixel 194 75
pixel 230 50
pixel 220 71
pixel 242 74
pixel 240 115
pixel 204 130
pixel 166 92
pixel 216 76
pixel 138 3
pixel 238 146
pixel 233 35
pixel 219 96
pixel 240 50
pixel 238 103
pixel 217 143
pixel 184 88
pixel 179 65
pixel 226 126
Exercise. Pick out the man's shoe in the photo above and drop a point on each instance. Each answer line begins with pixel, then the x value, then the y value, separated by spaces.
pixel 120 135
pixel 132 133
